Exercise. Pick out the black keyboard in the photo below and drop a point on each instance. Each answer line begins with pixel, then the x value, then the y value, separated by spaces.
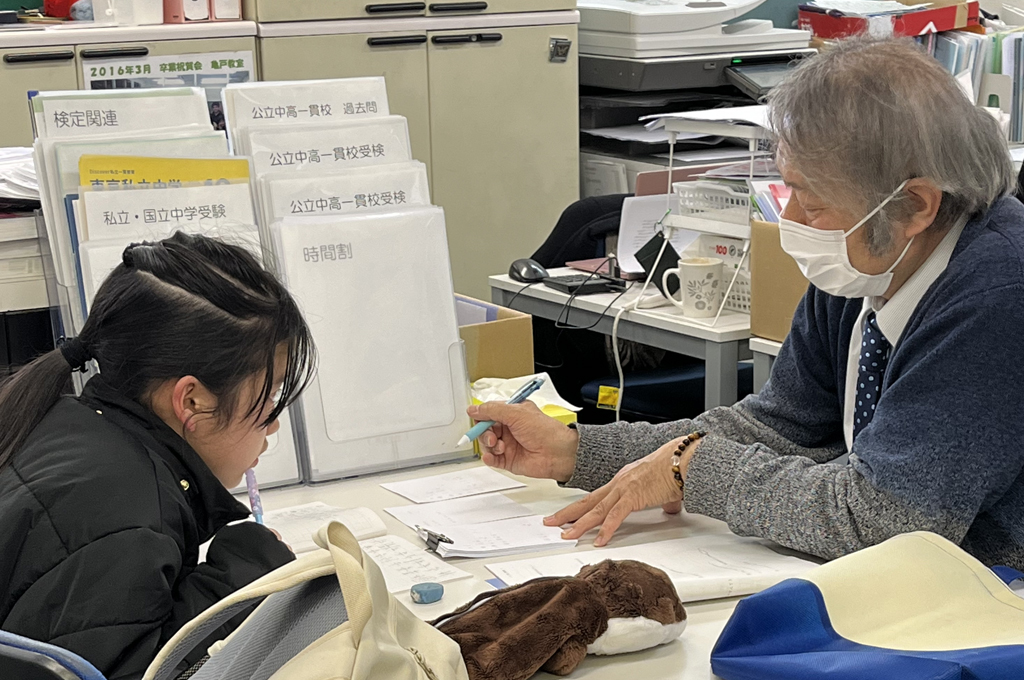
pixel 584 284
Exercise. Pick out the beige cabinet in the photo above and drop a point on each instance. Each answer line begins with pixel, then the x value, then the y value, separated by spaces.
pixel 457 7
pixel 400 57
pixel 266 11
pixel 26 69
pixel 504 131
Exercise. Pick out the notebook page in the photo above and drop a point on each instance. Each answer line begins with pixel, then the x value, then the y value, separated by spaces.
pixel 404 565
pixel 298 524
pixel 489 507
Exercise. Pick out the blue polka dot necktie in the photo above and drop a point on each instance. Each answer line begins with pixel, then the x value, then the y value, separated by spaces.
pixel 874 356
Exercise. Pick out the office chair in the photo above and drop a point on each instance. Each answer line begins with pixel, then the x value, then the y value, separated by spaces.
pixel 27 659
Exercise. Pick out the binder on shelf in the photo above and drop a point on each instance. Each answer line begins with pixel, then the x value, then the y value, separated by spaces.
pixel 392 387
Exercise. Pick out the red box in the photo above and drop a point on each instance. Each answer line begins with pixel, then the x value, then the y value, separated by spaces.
pixel 945 15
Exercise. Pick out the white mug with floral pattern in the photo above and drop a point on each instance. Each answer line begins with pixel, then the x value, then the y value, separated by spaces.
pixel 700 286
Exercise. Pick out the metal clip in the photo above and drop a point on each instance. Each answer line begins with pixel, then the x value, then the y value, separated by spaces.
pixel 433 538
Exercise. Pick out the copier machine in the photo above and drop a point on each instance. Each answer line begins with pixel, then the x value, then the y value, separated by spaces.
pixel 659 45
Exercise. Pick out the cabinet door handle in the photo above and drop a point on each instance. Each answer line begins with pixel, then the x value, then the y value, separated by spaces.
pixel 458 7
pixel 110 52
pixel 36 57
pixel 391 41
pixel 395 7
pixel 468 38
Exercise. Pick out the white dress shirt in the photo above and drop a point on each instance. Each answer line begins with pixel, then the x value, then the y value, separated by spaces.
pixel 893 315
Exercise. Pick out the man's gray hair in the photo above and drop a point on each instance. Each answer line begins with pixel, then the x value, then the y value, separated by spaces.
pixel 865 115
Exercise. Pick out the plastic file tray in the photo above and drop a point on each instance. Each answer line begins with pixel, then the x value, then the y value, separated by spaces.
pixel 392 388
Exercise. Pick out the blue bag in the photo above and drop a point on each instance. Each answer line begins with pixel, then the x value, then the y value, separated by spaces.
pixel 915 607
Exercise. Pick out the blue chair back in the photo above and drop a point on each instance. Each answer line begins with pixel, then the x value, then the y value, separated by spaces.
pixel 27 659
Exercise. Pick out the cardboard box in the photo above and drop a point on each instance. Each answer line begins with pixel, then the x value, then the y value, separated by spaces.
pixel 499 341
pixel 943 15
pixel 776 284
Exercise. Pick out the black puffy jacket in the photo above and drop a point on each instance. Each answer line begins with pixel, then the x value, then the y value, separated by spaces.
pixel 102 512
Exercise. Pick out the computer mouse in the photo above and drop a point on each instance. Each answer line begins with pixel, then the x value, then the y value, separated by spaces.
pixel 526 270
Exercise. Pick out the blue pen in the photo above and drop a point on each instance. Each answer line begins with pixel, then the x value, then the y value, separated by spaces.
pixel 254 495
pixel 517 398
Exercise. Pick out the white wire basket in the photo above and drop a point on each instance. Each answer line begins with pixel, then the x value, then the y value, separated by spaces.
pixel 713 202
pixel 730 251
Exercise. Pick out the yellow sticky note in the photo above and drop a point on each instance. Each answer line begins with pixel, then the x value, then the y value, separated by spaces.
pixel 607 397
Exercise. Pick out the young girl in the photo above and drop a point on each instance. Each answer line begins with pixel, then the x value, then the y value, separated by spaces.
pixel 106 498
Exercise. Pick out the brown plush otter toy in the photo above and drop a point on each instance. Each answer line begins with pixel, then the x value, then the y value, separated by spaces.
pixel 551 624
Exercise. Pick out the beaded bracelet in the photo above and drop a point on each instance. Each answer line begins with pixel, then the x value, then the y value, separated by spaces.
pixel 677 457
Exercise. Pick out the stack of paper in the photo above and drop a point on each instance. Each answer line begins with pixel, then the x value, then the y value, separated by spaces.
pixel 22 285
pixel 499 539
pixel 701 567
pixel 868 8
pixel 18 174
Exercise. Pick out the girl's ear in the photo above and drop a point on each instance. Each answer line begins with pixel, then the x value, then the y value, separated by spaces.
pixel 190 398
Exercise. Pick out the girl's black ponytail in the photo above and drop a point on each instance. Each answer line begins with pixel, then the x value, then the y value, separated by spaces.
pixel 26 397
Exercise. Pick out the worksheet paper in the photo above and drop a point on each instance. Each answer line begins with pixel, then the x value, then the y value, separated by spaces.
pixel 640 214
pixel 504 537
pixel 439 516
pixel 298 524
pixel 701 567
pixel 404 565
pixel 450 485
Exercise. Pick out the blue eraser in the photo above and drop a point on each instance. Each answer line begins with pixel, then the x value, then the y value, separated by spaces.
pixel 426 593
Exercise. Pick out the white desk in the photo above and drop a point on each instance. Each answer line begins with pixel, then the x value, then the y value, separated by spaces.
pixel 764 352
pixel 721 347
pixel 688 658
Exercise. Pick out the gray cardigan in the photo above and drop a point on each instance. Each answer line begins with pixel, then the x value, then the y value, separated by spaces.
pixel 943 453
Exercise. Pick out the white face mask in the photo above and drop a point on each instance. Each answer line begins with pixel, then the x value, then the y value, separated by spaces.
pixel 822 257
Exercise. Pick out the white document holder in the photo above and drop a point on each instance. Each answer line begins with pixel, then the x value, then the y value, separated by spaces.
pixel 330 147
pixel 288 103
pixel 392 387
pixel 361 190
pixel 153 214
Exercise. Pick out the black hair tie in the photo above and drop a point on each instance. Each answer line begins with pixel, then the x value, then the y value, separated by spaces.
pixel 128 256
pixel 75 353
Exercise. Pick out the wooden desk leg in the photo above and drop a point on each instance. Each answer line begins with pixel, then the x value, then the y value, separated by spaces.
pixel 720 373
pixel 762 369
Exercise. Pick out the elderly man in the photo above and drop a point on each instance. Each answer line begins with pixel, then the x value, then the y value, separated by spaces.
pixel 905 353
